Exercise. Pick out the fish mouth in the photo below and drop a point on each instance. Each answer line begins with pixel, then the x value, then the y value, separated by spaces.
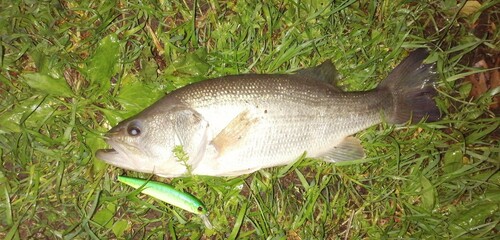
pixel 123 156
pixel 110 155
pixel 114 155
pixel 104 153
pixel 116 158
pixel 120 154
pixel 108 150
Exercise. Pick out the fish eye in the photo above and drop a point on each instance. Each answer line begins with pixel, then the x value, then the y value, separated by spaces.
pixel 133 130
pixel 200 209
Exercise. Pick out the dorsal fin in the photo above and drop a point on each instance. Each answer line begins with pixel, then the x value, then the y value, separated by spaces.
pixel 325 72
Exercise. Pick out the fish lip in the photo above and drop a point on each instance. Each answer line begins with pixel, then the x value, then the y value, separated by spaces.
pixel 108 155
pixel 117 154
pixel 112 155
pixel 99 153
pixel 107 151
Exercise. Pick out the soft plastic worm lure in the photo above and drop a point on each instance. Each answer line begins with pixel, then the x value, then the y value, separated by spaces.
pixel 170 195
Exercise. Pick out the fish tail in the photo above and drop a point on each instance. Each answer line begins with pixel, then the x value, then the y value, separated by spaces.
pixel 411 85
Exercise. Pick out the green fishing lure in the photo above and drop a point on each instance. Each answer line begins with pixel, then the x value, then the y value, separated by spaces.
pixel 170 195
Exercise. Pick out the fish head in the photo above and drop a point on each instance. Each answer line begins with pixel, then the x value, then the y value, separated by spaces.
pixel 143 144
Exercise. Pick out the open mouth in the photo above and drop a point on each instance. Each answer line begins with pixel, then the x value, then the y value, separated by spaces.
pixel 118 154
pixel 108 155
pixel 107 151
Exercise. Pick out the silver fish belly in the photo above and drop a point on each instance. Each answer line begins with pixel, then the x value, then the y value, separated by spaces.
pixel 239 124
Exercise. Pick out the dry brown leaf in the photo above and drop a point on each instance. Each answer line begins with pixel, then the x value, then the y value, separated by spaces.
pixel 470 8
pixel 485 81
pixel 478 81
pixel 495 82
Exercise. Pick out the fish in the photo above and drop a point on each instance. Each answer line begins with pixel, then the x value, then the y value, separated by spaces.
pixel 239 124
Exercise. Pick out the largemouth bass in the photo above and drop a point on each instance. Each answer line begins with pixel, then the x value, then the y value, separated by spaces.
pixel 239 124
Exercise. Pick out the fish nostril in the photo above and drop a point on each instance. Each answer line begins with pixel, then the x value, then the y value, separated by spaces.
pixel 121 128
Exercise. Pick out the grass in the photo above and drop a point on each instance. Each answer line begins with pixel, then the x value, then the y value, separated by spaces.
pixel 69 71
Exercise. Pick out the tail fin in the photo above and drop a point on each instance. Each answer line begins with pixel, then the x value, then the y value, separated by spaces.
pixel 411 84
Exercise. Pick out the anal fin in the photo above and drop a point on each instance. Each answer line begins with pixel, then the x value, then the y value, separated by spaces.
pixel 349 149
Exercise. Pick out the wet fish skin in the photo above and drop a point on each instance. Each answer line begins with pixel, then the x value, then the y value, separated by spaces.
pixel 239 124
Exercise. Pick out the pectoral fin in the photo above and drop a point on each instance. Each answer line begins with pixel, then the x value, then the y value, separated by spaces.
pixel 234 132
pixel 349 149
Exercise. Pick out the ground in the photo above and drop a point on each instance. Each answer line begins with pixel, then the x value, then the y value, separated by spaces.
pixel 69 71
